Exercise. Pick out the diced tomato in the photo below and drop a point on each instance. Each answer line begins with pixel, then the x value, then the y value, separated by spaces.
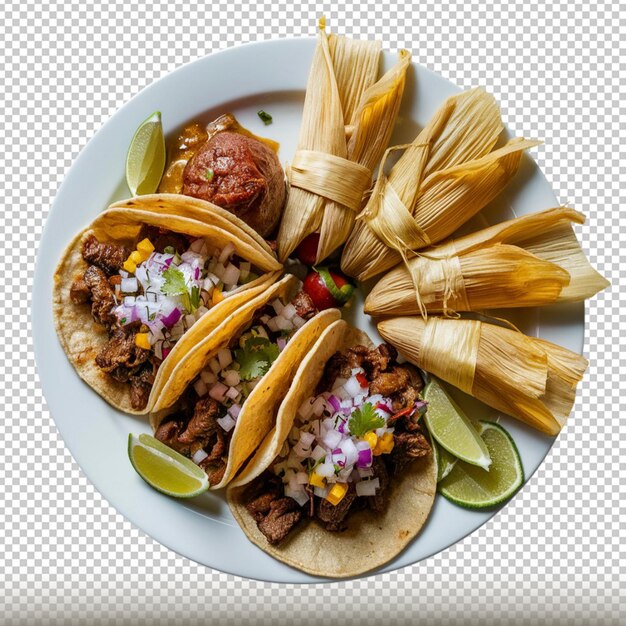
pixel 362 380
pixel 307 250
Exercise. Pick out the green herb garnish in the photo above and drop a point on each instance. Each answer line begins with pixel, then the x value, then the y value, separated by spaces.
pixel 266 118
pixel 191 301
pixel 175 283
pixel 209 174
pixel 256 357
pixel 364 419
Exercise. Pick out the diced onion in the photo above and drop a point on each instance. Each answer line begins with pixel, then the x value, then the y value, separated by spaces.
pixel 307 438
pixel 234 411
pixel 318 406
pixel 288 311
pixel 325 469
pixel 318 453
pixel 218 391
pixel 208 377
pixel 353 387
pixel 278 306
pixel 229 248
pixel 302 478
pixel 321 492
pixel 226 422
pixel 306 409
pixel 231 274
pixel 231 378
pixel 297 321
pixel 367 487
pixel 349 449
pixel 332 438
pixel 214 364
pixel 129 285
pixel 232 393
pixel 281 342
pixel 225 358
pixel 199 456
pixel 299 495
pixel 129 301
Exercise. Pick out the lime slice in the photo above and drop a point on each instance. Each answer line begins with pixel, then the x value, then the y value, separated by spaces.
pixel 473 487
pixel 445 461
pixel 451 428
pixel 165 469
pixel 145 160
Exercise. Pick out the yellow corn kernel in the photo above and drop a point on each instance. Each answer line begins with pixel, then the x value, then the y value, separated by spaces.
pixel 316 480
pixel 135 257
pixel 336 494
pixel 130 266
pixel 217 296
pixel 371 438
pixel 142 341
pixel 145 248
pixel 384 445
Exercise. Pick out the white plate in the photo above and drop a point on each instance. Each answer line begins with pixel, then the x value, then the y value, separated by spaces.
pixel 272 76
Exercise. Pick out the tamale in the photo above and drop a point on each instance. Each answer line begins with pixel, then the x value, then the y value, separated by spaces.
pixel 533 260
pixel 331 171
pixel 528 378
pixel 449 172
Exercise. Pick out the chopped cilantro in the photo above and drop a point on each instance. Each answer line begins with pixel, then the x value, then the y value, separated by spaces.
pixel 169 250
pixel 266 118
pixel 191 301
pixel 364 419
pixel 209 174
pixel 175 283
pixel 256 357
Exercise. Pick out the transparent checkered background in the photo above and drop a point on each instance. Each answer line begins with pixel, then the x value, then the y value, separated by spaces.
pixel 554 555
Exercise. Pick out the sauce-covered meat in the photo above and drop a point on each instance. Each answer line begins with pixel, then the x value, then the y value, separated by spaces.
pixel 240 174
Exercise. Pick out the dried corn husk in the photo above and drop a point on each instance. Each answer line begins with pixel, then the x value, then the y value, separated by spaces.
pixel 528 378
pixel 448 174
pixel 532 260
pixel 330 172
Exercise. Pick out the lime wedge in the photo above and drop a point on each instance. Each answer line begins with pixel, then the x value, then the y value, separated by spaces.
pixel 451 428
pixel 473 487
pixel 165 469
pixel 445 461
pixel 145 160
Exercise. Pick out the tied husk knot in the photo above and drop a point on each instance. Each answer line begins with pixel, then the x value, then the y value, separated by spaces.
pixel 331 177
pixel 448 173
pixel 533 260
pixel 347 122
pixel 525 377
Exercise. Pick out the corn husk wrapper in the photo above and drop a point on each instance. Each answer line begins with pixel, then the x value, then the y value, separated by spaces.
pixel 445 176
pixel 533 260
pixel 330 171
pixel 525 377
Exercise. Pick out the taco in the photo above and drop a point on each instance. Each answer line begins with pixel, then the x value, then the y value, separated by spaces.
pixel 222 398
pixel 347 478
pixel 137 289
